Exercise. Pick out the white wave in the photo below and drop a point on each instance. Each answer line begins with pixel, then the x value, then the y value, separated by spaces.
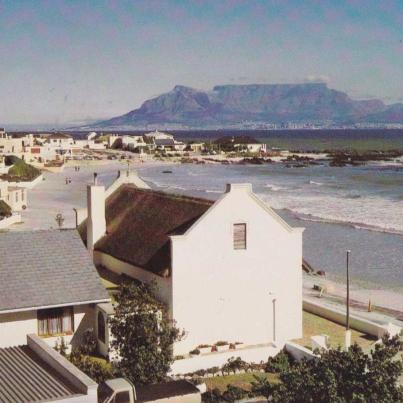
pixel 274 188
pixel 212 191
pixel 315 183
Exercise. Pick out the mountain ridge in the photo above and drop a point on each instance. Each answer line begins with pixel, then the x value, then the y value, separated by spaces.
pixel 228 105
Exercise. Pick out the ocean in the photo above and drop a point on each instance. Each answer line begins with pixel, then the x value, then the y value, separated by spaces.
pixel 355 208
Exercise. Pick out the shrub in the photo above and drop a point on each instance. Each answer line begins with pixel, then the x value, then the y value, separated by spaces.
pixel 196 351
pixel 221 343
pixel 278 364
pixel 96 370
pixel 213 370
pixel 89 342
pixel 234 393
pixel 234 364
pixel 204 346
pixel 212 396
pixel 5 210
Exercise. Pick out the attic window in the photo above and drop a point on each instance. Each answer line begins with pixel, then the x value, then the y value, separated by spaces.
pixel 239 236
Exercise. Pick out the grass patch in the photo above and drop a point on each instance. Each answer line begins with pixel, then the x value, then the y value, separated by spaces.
pixel 240 380
pixel 20 171
pixel 314 325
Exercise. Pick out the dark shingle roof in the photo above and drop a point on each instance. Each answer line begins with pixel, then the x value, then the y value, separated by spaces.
pixel 26 378
pixel 139 223
pixel 46 268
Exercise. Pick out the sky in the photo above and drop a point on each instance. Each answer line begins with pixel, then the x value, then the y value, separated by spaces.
pixel 64 62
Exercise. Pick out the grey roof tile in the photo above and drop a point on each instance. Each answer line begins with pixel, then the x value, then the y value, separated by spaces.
pixel 45 268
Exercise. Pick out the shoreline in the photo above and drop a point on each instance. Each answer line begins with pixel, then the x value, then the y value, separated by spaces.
pixel 54 196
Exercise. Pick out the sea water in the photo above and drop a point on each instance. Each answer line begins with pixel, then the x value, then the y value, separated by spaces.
pixel 355 208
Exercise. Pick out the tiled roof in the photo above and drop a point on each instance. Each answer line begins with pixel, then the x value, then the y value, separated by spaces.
pixel 26 378
pixel 139 222
pixel 46 268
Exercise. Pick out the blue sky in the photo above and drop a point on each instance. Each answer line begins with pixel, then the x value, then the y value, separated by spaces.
pixel 65 61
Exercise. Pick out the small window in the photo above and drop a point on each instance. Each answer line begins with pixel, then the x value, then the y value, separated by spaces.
pixel 101 327
pixel 52 322
pixel 239 236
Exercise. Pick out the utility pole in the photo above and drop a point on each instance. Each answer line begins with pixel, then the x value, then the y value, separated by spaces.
pixel 348 290
pixel 348 331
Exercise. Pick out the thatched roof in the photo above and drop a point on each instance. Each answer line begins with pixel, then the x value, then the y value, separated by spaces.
pixel 139 223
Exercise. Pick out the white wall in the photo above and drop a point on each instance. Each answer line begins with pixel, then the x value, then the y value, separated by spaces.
pixel 119 267
pixel 14 327
pixel 224 294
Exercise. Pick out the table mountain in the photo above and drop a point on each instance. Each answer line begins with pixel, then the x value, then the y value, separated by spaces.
pixel 229 105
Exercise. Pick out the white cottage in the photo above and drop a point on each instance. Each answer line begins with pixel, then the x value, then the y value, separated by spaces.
pixel 49 287
pixel 228 270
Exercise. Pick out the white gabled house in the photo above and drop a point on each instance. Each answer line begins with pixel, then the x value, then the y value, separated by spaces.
pixel 228 270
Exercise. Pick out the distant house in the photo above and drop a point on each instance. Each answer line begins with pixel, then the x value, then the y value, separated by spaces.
pixel 14 196
pixel 157 135
pixel 49 287
pixel 228 270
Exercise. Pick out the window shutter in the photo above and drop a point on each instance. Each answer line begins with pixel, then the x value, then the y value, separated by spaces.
pixel 239 236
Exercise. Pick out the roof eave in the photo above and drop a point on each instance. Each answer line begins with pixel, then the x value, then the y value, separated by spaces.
pixel 34 308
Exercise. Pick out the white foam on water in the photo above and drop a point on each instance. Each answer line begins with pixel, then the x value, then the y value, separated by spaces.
pixel 274 188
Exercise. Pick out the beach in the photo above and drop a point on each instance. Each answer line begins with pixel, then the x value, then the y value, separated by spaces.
pixel 376 257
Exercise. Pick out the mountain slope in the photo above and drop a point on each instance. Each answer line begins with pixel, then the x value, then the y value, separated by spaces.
pixel 229 105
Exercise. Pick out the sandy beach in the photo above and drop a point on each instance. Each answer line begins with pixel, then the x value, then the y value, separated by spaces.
pixel 53 196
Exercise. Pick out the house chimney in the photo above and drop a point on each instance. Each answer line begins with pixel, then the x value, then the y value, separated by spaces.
pixel 96 223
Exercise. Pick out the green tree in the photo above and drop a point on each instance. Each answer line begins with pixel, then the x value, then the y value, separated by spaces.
pixel 142 334
pixel 345 376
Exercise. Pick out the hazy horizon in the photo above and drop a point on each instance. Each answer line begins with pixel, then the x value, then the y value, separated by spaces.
pixel 75 61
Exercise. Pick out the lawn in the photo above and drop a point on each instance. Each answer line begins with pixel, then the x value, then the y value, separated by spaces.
pixel 314 325
pixel 241 380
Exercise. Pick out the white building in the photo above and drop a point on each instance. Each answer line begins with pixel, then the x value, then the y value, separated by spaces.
pixel 14 196
pixel 227 271
pixel 49 287
pixel 157 135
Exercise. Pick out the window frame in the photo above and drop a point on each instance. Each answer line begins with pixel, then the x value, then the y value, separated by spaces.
pixel 58 313
pixel 244 241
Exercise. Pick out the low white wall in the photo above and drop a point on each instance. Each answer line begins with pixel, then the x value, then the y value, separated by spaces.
pixel 249 354
pixel 338 316
pixel 119 267
pixel 64 368
pixel 6 222
pixel 28 185
pixel 299 352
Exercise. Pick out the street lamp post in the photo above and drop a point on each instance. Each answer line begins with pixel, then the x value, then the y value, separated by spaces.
pixel 348 331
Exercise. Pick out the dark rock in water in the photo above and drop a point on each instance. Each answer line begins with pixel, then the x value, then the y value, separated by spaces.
pixel 321 273
pixel 167 172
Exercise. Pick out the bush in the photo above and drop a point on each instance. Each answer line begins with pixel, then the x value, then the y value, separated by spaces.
pixel 278 364
pixel 89 342
pixel 196 351
pixel 234 393
pixel 96 370
pixel 5 210
pixel 212 396
pixel 234 364
pixel 221 343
